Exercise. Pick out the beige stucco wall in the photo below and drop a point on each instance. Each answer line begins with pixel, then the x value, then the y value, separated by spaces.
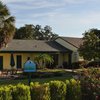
pixel 60 59
pixel 6 58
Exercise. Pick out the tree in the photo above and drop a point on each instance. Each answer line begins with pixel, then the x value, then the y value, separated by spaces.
pixel 90 49
pixel 25 32
pixel 7 27
pixel 42 59
pixel 38 33
pixel 48 34
pixel 35 32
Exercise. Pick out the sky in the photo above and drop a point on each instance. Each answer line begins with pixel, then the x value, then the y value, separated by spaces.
pixel 70 18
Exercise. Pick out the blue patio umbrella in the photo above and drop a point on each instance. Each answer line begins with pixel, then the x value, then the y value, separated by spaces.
pixel 12 61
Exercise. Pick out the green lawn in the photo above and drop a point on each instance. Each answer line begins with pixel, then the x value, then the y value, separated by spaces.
pixel 25 81
pixel 64 76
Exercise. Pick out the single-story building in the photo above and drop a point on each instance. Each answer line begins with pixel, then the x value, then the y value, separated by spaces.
pixel 63 49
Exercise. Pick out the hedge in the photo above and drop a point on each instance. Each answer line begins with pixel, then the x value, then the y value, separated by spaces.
pixel 57 90
pixel 73 90
pixel 5 93
pixel 90 84
pixel 39 92
pixel 21 92
pixel 54 90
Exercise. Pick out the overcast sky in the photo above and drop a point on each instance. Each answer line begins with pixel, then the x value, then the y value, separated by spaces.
pixel 66 17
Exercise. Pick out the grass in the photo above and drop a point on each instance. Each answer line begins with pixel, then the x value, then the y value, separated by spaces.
pixel 25 81
pixel 66 75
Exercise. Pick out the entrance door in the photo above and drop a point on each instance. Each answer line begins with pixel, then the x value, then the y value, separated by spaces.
pixel 19 61
pixel 1 62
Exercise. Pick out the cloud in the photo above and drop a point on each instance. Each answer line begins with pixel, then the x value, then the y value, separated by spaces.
pixel 91 18
pixel 64 16
pixel 33 4
pixel 79 1
pixel 13 1
pixel 74 24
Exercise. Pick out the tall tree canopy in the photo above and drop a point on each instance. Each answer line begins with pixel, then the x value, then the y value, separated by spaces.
pixel 7 28
pixel 25 32
pixel 35 32
pixel 91 45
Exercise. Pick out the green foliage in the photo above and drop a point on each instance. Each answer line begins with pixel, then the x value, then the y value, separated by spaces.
pixel 57 90
pixel 90 84
pixel 7 27
pixel 43 58
pixel 90 49
pixel 35 32
pixel 1 93
pixel 73 90
pixel 79 64
pixel 88 88
pixel 5 93
pixel 25 32
pixel 40 92
pixel 54 90
pixel 21 92
pixel 93 64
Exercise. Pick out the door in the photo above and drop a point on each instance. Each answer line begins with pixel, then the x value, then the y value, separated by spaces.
pixel 1 62
pixel 19 61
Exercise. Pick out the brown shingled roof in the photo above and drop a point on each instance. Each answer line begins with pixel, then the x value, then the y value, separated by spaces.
pixel 73 41
pixel 34 46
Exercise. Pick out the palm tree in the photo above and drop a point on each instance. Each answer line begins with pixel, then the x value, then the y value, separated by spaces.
pixel 7 27
pixel 43 59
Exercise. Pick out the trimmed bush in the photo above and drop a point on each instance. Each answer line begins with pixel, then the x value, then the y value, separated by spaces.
pixel 73 90
pixel 40 92
pixel 57 90
pixel 88 88
pixel 21 92
pixel 5 93
pixel 1 93
pixel 90 84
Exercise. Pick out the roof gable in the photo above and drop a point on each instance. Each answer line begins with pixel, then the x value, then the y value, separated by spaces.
pixel 73 41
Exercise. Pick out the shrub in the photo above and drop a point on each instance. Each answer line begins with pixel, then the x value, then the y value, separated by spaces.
pixel 57 90
pixel 93 64
pixel 90 84
pixel 1 92
pixel 73 90
pixel 40 92
pixel 79 64
pixel 65 64
pixel 21 92
pixel 5 93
